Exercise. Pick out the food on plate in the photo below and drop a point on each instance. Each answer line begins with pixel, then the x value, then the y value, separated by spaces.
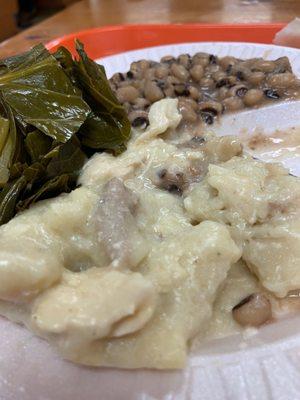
pixel 133 260
pixel 54 113
pixel 205 85
pixel 178 239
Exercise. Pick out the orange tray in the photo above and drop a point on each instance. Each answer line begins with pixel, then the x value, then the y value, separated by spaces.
pixel 108 40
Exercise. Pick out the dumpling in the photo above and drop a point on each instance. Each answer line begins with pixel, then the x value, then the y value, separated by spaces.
pixel 261 205
pixel 186 271
pixel 85 307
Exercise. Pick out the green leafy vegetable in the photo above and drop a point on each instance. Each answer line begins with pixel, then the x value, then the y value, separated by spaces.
pixel 94 131
pixel 107 127
pixel 94 82
pixel 42 95
pixel 37 145
pixel 4 129
pixel 8 199
pixel 68 160
pixel 55 112
pixel 52 188
pixel 109 115
pixel 9 143
pixel 4 158
pixel 22 60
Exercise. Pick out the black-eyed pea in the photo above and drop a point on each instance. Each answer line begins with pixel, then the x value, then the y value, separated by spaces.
pixel 185 60
pixel 167 59
pixel 223 92
pixel 190 102
pixel 152 91
pixel 180 72
pixel 195 93
pixel 140 104
pixel 264 66
pixel 169 91
pixel 124 83
pixel 213 68
pixel 161 71
pixel 139 67
pixel 181 89
pixel 127 94
pixel 238 90
pixel 253 97
pixel 219 75
pixel 197 72
pixel 256 78
pixel 206 83
pixel 201 58
pixel 211 106
pixel 283 65
pixel 117 78
pixel 233 103
pixel 139 119
pixel 149 73
pixel 187 111
pixel 138 84
pixel 172 80
pixel 227 61
pixel 254 310
pixel 285 80
pixel 232 80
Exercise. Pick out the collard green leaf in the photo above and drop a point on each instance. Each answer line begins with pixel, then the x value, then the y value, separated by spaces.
pixel 4 155
pixel 94 82
pixel 51 188
pixel 42 95
pixel 55 112
pixel 17 170
pixel 108 126
pixel 23 60
pixel 9 197
pixel 64 57
pixel 69 160
pixel 37 145
pixel 34 172
pixel 102 131
pixel 8 145
pixel 4 130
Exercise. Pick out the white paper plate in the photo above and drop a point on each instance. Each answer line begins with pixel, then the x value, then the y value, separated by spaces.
pixel 268 369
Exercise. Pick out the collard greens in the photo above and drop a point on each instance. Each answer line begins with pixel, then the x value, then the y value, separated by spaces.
pixel 55 112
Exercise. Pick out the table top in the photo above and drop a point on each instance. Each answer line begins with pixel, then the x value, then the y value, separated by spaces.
pixel 94 13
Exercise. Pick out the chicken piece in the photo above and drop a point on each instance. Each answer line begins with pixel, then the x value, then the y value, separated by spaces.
pixel 116 225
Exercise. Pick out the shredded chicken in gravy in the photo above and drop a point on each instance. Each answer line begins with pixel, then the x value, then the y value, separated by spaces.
pixel 182 236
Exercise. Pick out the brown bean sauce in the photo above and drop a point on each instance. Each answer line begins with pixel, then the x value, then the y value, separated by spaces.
pixel 227 84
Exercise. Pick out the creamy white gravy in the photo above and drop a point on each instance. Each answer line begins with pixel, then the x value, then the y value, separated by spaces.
pixel 154 249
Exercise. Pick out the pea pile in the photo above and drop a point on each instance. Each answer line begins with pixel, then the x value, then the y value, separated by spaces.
pixel 205 85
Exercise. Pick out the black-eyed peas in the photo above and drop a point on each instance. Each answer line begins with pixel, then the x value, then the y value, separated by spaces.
pixel 232 84
pixel 253 310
